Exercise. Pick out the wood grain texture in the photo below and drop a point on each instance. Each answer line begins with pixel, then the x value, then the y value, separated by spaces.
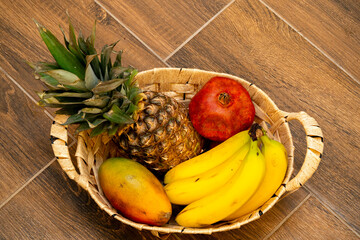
pixel 54 207
pixel 308 223
pixel 163 25
pixel 249 41
pixel 20 40
pixel 24 138
pixel 333 26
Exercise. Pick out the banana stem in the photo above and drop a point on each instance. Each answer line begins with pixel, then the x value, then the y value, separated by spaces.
pixel 256 131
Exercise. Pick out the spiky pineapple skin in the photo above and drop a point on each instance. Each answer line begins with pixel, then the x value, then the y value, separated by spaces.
pixel 163 135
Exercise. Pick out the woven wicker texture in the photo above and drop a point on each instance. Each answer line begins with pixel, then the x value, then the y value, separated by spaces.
pixel 182 84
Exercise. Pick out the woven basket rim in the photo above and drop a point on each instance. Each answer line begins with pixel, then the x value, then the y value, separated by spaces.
pixel 187 82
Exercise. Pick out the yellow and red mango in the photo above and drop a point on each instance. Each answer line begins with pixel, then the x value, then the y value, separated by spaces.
pixel 134 191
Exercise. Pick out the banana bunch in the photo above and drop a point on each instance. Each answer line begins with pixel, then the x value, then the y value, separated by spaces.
pixel 276 166
pixel 228 181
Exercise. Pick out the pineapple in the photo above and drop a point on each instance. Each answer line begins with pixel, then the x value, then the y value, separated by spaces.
pixel 101 96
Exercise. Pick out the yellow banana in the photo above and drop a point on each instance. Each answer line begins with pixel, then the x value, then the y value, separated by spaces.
pixel 188 190
pixel 207 160
pixel 276 165
pixel 232 196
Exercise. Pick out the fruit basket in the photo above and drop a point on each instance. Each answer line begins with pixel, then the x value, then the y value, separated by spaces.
pixel 182 84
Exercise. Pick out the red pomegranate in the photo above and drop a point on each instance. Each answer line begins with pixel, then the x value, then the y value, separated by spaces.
pixel 221 109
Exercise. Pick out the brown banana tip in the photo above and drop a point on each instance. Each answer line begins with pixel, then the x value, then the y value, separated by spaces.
pixel 254 131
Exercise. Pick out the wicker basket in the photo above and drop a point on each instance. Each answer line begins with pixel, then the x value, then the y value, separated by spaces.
pixel 182 84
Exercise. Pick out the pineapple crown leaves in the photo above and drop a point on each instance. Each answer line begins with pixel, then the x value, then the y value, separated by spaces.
pixel 96 93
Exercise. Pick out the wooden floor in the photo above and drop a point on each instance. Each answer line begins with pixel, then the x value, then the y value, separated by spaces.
pixel 304 54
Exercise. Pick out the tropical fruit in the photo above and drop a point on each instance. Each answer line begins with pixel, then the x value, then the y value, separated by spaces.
pixel 276 165
pixel 232 195
pixel 221 108
pixel 133 190
pixel 231 185
pixel 188 190
pixel 100 95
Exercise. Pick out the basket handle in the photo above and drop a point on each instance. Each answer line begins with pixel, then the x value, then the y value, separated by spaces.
pixel 314 150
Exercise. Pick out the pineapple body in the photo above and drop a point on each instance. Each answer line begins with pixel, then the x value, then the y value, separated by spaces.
pixel 163 135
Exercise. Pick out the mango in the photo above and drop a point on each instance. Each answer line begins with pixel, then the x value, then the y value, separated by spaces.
pixel 134 191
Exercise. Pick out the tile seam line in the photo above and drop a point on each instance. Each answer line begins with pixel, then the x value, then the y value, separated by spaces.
pixel 311 43
pixel 30 180
pixel 27 183
pixel 18 85
pixel 49 163
pixel 199 30
pixel 287 217
pixel 328 207
pixel 28 95
pixel 131 32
